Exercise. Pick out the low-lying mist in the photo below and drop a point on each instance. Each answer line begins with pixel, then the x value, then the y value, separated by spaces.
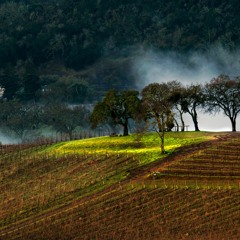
pixel 7 138
pixel 193 67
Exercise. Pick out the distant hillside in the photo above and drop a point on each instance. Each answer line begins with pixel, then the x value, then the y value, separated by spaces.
pixel 77 34
pixel 81 32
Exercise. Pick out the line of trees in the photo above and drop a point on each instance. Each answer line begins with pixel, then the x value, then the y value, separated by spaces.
pixel 160 104
pixel 159 107
pixel 27 122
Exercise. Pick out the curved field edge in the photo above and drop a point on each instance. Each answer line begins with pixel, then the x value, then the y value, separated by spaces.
pixel 145 147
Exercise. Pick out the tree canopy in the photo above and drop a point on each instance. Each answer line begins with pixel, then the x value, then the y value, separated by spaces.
pixel 65 119
pixel 116 108
pixel 191 100
pixel 157 106
pixel 223 93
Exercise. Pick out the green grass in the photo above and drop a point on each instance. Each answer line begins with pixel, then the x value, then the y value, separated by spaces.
pixel 146 149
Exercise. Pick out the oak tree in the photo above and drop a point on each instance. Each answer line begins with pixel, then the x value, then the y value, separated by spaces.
pixel 223 93
pixel 117 108
pixel 193 99
pixel 157 105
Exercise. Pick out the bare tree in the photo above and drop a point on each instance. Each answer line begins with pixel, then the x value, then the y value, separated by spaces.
pixel 65 119
pixel 223 93
pixel 177 97
pixel 192 99
pixel 23 120
pixel 157 105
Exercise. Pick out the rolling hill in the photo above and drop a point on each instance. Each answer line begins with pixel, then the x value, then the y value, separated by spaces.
pixel 121 188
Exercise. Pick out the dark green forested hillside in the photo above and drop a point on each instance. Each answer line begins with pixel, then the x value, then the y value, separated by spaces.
pixel 56 36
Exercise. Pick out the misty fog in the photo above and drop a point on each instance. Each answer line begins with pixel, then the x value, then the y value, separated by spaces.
pixel 7 139
pixel 195 67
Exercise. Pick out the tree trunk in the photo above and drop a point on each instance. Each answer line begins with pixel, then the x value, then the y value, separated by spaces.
pixel 196 125
pixel 233 122
pixel 161 133
pixel 182 121
pixel 195 122
pixel 162 138
pixel 177 125
pixel 70 134
pixel 125 128
pixel 162 144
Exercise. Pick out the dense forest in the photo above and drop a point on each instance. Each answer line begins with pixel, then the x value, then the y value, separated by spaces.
pixel 80 49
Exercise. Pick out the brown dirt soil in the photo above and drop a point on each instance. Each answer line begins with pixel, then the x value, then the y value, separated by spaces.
pixel 136 174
